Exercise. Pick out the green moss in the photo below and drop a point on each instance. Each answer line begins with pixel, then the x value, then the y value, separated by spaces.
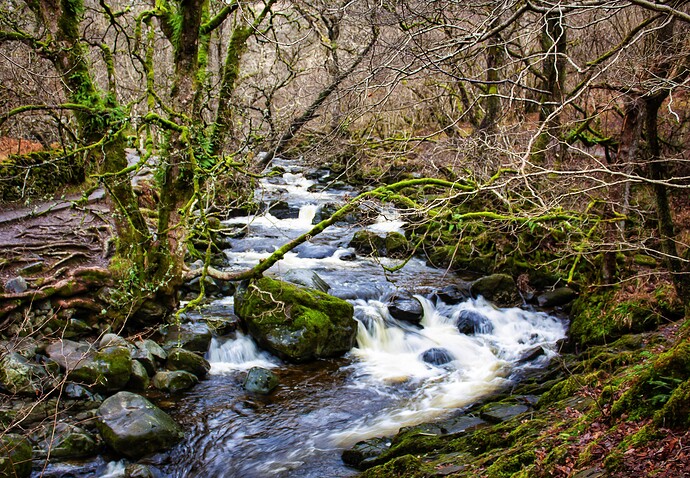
pixel 407 466
pixel 507 465
pixel 570 387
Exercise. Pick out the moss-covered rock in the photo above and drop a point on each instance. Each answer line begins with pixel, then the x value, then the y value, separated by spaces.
pixel 19 375
pixel 107 370
pixel 175 381
pixel 260 380
pixel 406 466
pixel 181 359
pixel 15 456
pixel 134 427
pixel 497 288
pixel 294 323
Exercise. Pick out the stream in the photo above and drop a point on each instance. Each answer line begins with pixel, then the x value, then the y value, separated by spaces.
pixel 383 384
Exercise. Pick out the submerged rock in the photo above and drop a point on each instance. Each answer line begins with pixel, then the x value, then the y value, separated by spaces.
pixel 15 456
pixel 260 380
pixel 294 323
pixel 134 427
pixel 497 288
pixel 437 356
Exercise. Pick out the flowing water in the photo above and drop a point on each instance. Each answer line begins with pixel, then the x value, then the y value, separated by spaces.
pixel 383 384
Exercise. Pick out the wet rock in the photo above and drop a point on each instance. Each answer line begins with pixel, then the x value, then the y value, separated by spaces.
pixel 531 354
pixel 453 294
pixel 77 392
pixel 19 375
pixel 210 285
pixel 134 427
pixel 461 424
pixel 138 470
pixel 283 210
pixel 312 251
pixel 181 359
pixel 295 323
pixel 139 378
pixel 403 306
pixel 500 412
pixel 364 451
pixel 223 325
pixel 557 297
pixel 497 288
pixel 154 349
pixel 68 353
pixel 27 347
pixel 306 278
pixel 260 380
pixel 191 336
pixel 67 441
pixel 471 322
pixel 15 456
pixel 368 243
pixel 347 256
pixel 175 381
pixel 144 358
pixel 150 313
pixel 107 370
pixel 16 285
pixel 396 245
pixel 437 356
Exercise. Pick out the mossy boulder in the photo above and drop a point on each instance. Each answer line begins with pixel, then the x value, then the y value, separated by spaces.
pixel 181 359
pixel 368 243
pixel 260 380
pixel 15 456
pixel 19 375
pixel 194 336
pixel 134 427
pixel 67 441
pixel 107 370
pixel 295 323
pixel 497 288
pixel 175 381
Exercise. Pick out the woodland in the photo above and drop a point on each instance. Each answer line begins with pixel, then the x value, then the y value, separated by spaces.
pixel 545 140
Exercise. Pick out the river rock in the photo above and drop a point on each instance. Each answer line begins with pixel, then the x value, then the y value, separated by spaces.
pixel 194 336
pixel 471 322
pixel 453 294
pixel 306 278
pixel 314 251
pixel 282 210
pixel 111 340
pixel 500 412
pixel 175 381
pixel 139 378
pixel 144 358
pixel 15 456
pixel 107 370
pixel 150 313
pixel 138 470
pixel 437 356
pixel 294 323
pixel 134 427
pixel 67 441
pixel 19 375
pixel 396 244
pixel 556 297
pixel 260 380
pixel 368 243
pixel 497 288
pixel 364 451
pixel 403 306
pixel 16 285
pixel 158 353
pixel 181 359
pixel 67 353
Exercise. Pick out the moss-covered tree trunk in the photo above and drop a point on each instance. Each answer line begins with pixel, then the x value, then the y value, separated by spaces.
pixel 101 121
